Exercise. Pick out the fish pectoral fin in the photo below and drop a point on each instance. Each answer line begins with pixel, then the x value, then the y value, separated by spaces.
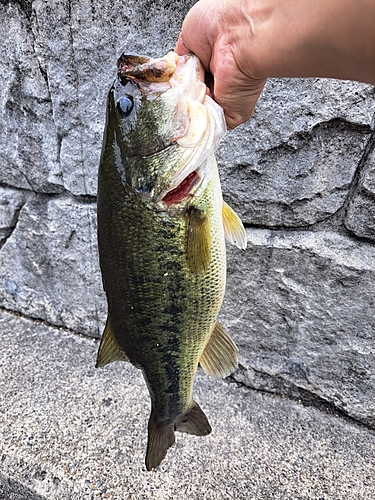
pixel 198 248
pixel 220 356
pixel 160 438
pixel 233 228
pixel 109 350
pixel 194 422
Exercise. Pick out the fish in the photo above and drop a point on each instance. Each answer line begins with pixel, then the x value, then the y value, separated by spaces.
pixel 162 224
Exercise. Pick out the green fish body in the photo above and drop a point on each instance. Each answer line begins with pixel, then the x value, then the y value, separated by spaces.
pixel 161 228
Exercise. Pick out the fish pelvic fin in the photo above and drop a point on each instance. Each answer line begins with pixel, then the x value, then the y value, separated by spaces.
pixel 233 228
pixel 220 356
pixel 198 249
pixel 194 422
pixel 161 435
pixel 160 438
pixel 109 350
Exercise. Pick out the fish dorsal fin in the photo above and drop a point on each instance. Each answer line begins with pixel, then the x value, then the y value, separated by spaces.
pixel 198 249
pixel 220 356
pixel 233 228
pixel 109 350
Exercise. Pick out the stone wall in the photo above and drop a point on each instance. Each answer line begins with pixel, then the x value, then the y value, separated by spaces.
pixel 300 300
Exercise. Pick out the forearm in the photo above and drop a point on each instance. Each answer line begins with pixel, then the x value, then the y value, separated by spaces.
pixel 302 38
pixel 243 42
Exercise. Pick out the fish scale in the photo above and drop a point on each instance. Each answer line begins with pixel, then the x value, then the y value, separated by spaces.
pixel 153 278
pixel 162 257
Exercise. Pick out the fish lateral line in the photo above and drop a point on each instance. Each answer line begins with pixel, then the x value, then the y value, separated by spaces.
pixel 161 229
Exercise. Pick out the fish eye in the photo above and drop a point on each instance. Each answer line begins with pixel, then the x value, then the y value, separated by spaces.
pixel 125 105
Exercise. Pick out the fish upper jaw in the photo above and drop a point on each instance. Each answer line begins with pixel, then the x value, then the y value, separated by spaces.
pixel 146 69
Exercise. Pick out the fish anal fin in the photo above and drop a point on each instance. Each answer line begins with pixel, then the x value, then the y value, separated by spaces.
pixel 109 350
pixel 194 422
pixel 198 248
pixel 233 228
pixel 160 438
pixel 220 356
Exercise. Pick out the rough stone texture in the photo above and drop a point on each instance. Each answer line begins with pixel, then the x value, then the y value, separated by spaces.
pixel 70 432
pixel 59 59
pixel 301 174
pixel 300 307
pixel 360 217
pixel 50 267
pixel 292 164
pixel 28 151
pixel 11 202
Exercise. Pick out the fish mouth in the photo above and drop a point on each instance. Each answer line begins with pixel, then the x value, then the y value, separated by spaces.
pixel 146 69
pixel 183 190
pixel 194 172
pixel 156 76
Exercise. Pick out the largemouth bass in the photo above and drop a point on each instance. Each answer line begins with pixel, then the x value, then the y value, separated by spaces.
pixel 161 228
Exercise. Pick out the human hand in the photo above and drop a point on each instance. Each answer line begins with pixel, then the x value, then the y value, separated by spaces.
pixel 215 32
pixel 242 42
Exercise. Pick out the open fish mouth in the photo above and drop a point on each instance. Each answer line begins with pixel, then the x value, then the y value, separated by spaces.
pixel 206 128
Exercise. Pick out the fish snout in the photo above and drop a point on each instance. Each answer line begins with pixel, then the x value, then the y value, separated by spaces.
pixel 147 69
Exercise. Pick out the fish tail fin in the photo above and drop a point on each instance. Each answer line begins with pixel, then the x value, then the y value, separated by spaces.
pixel 161 434
pixel 160 438
pixel 194 422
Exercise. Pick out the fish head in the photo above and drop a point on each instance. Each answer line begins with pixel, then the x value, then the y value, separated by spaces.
pixel 164 126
